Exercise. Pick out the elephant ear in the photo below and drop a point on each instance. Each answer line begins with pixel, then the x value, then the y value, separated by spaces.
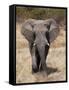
pixel 27 31
pixel 53 29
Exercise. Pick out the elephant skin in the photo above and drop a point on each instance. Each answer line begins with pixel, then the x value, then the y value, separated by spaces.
pixel 40 34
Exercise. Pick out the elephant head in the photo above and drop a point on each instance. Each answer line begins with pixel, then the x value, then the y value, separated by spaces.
pixel 39 33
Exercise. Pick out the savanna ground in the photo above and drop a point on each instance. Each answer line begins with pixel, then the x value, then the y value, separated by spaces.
pixel 56 60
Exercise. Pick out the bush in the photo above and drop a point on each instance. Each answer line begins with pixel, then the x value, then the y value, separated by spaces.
pixel 39 13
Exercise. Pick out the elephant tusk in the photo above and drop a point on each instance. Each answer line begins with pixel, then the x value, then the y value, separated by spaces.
pixel 34 44
pixel 48 44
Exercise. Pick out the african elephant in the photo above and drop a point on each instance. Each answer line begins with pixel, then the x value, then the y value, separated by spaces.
pixel 40 34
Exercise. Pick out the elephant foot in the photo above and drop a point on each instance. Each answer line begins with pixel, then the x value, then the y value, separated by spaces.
pixel 34 69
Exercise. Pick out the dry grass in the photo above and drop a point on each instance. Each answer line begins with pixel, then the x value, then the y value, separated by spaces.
pixel 55 59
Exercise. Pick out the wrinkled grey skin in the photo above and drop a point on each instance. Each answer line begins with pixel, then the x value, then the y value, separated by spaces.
pixel 39 33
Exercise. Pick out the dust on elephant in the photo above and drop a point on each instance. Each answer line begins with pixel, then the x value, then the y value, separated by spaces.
pixel 39 33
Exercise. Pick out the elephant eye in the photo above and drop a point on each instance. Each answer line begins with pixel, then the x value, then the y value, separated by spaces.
pixel 48 26
pixel 32 26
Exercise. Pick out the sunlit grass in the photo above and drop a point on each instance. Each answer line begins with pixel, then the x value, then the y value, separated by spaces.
pixel 55 59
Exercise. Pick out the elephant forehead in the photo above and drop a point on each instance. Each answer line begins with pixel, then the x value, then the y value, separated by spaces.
pixel 40 27
pixel 40 38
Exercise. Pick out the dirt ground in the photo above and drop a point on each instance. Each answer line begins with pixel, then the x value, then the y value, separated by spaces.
pixel 56 60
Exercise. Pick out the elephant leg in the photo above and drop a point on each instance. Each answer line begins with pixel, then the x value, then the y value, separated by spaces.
pixel 35 63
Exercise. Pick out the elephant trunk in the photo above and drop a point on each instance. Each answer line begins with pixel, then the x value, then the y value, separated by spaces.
pixel 42 55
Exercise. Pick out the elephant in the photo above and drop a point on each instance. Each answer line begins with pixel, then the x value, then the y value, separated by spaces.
pixel 40 34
